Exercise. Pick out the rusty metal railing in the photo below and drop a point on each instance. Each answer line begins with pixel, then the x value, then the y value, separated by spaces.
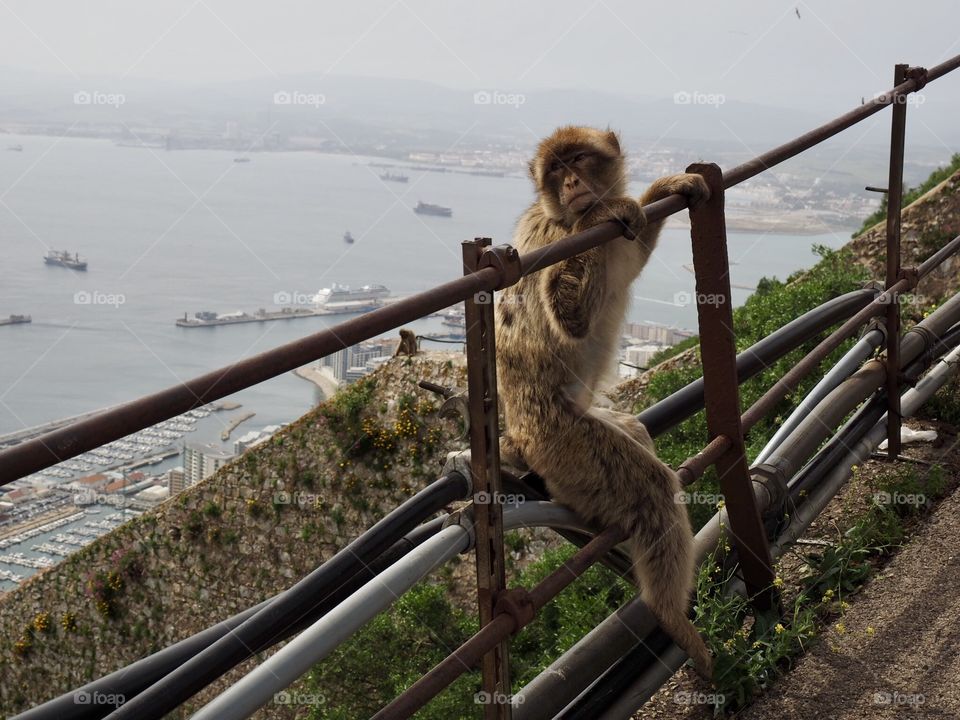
pixel 502 611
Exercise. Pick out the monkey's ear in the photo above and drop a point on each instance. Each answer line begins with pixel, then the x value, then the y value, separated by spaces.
pixel 532 167
pixel 614 141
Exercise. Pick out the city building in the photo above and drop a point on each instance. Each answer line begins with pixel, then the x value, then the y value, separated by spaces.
pixel 661 334
pixel 176 480
pixel 254 437
pixel 639 356
pixel 202 461
pixel 153 495
pixel 354 362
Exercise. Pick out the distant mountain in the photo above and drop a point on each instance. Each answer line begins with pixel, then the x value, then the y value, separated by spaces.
pixel 361 109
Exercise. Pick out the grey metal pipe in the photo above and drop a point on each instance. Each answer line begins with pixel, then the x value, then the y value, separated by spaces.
pixel 258 687
pixel 818 424
pixel 649 681
pixel 819 496
pixel 838 373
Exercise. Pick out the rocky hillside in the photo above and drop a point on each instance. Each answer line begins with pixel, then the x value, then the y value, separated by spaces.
pixel 244 534
pixel 926 225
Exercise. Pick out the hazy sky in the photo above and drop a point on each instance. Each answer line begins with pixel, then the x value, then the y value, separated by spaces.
pixel 756 50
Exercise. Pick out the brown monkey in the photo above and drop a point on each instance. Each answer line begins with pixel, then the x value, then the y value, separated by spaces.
pixel 557 336
pixel 408 343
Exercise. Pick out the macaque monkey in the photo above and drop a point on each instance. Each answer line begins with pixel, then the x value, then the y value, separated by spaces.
pixel 408 343
pixel 558 332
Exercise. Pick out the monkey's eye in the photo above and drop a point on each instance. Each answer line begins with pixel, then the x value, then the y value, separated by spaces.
pixel 579 157
pixel 554 166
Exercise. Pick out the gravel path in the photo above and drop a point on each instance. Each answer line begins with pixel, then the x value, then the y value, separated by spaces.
pixel 899 654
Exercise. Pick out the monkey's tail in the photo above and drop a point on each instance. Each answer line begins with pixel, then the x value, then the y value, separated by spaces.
pixel 666 593
pixel 602 464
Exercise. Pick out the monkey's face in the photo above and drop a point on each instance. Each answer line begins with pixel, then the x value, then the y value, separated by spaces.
pixel 576 168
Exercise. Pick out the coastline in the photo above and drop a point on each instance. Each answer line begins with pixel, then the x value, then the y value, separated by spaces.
pixel 761 225
pixel 320 378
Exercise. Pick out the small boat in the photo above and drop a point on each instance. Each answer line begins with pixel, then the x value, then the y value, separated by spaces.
pixel 241 159
pixel 423 208
pixel 348 238
pixel 399 177
pixel 16 320
pixel 63 259
pixel 15 148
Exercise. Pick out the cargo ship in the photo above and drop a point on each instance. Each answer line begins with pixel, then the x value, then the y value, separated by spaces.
pixel 64 259
pixel 423 208
pixel 16 320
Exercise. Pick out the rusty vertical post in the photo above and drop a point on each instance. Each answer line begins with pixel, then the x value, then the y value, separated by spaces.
pixel 719 357
pixel 487 488
pixel 894 198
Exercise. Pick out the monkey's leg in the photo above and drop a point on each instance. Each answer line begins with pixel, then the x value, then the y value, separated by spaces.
pixel 628 423
pixel 510 454
pixel 607 475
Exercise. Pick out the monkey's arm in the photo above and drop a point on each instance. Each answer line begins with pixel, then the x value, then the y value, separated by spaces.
pixel 691 185
pixel 571 292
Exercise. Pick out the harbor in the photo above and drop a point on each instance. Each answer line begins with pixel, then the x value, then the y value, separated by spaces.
pixel 335 300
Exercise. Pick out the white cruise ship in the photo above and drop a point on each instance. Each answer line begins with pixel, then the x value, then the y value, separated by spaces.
pixel 341 297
